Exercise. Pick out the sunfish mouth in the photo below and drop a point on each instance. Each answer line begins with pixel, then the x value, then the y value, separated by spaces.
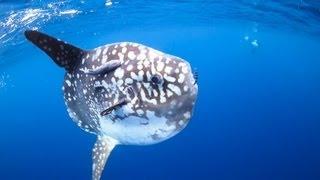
pixel 195 76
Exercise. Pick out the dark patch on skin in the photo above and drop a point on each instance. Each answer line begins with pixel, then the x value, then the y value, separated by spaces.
pixel 131 92
pixel 155 137
pixel 99 90
pixel 144 123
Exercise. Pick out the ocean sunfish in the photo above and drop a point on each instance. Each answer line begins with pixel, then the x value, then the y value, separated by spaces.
pixel 125 93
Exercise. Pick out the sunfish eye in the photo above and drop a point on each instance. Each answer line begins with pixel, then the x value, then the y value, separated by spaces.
pixel 156 79
pixel 99 89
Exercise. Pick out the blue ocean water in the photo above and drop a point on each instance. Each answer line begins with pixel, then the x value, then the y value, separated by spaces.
pixel 258 109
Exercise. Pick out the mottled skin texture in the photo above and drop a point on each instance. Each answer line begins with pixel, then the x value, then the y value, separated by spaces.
pixel 87 95
pixel 125 93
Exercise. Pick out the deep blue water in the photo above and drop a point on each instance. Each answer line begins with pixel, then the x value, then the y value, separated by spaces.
pixel 258 109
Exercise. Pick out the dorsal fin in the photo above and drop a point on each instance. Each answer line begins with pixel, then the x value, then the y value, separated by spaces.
pixel 63 54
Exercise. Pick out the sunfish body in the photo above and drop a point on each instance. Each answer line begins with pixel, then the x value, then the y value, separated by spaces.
pixel 125 93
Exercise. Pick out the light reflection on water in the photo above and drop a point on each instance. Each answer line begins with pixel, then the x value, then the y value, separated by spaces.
pixel 103 16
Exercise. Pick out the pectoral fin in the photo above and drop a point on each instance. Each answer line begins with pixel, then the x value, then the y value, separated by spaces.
pixel 100 153
pixel 105 68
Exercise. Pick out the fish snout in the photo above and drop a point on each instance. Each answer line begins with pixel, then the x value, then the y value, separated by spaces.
pixel 195 75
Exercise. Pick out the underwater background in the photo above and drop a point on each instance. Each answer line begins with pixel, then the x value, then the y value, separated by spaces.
pixel 258 109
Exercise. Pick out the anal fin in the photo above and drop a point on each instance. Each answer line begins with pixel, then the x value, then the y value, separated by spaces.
pixel 100 153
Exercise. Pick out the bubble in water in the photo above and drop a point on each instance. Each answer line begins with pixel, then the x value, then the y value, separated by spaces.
pixel 108 3
pixel 4 77
pixel 255 43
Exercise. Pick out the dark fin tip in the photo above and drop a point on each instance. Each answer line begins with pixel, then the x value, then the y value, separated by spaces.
pixel 29 33
pixel 32 35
